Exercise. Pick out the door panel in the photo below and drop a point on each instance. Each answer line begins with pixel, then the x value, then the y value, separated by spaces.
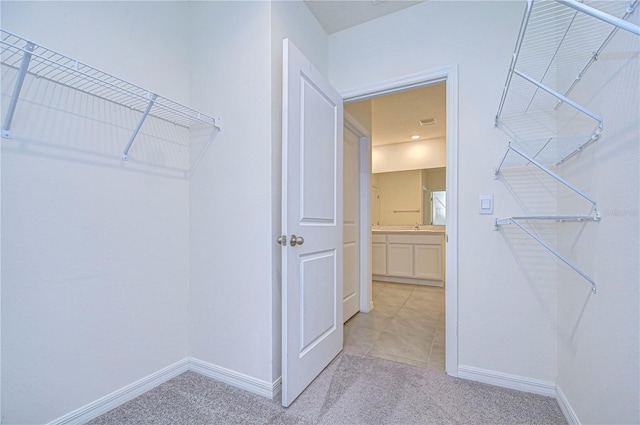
pixel 316 156
pixel 317 299
pixel 312 210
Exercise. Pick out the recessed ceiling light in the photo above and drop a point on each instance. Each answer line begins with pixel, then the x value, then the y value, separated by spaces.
pixel 415 136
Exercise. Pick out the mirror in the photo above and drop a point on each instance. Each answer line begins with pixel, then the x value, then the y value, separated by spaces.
pixel 409 197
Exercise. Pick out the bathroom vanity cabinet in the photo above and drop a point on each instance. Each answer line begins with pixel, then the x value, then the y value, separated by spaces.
pixel 407 256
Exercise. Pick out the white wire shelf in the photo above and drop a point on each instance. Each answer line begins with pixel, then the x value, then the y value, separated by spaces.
pixel 29 58
pixel 580 218
pixel 556 46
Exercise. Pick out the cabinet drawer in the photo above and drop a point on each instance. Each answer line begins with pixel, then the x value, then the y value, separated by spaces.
pixel 378 238
pixel 415 239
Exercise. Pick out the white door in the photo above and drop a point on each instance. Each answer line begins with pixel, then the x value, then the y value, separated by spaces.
pixel 312 220
pixel 351 293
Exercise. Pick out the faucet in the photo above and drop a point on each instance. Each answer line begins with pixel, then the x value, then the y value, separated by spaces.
pixel 416 226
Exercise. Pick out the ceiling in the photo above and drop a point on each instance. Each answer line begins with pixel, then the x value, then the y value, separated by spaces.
pixel 337 15
pixel 396 117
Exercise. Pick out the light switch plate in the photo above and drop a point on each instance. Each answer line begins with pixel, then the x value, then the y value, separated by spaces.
pixel 485 204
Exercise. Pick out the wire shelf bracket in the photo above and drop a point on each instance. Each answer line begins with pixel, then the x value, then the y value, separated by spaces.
pixel 555 176
pixel 29 58
pixel 17 88
pixel 516 221
pixel 145 114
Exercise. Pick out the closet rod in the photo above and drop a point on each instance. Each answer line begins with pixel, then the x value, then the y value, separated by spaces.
pixel 22 72
pixel 591 11
pixel 596 55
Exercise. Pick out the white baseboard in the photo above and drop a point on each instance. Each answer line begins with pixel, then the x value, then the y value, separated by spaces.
pixel 565 407
pixel 506 380
pixel 131 391
pixel 116 398
pixel 256 386
pixel 272 389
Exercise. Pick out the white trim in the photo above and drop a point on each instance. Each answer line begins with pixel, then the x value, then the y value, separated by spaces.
pixel 449 74
pixel 505 380
pixel 366 295
pixel 131 391
pixel 393 85
pixel 565 407
pixel 364 171
pixel 121 396
pixel 451 237
pixel 239 380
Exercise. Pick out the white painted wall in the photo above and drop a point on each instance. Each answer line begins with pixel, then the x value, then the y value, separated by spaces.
pixel 235 193
pixel 226 217
pixel 95 253
pixel 507 320
pixel 231 195
pixel 598 354
pixel 409 156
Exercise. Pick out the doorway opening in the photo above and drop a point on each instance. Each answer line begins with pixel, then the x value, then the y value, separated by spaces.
pixel 405 286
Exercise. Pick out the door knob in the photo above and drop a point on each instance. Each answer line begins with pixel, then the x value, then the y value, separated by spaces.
pixel 282 240
pixel 296 240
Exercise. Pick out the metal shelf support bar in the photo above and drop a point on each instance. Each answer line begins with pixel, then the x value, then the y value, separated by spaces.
pixel 549 172
pixel 561 97
pixel 558 218
pixel 22 72
pixel 620 23
pixel 515 221
pixel 152 99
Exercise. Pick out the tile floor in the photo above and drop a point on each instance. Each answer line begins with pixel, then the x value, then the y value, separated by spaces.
pixel 406 325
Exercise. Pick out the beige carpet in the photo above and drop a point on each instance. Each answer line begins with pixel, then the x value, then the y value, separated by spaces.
pixel 353 389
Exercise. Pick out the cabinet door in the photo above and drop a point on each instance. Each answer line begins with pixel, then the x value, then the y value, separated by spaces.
pixel 379 258
pixel 400 260
pixel 428 261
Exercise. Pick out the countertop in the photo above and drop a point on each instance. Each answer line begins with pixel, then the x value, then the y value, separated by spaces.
pixel 422 229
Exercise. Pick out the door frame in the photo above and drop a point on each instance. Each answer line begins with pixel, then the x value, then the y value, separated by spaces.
pixel 449 74
pixel 364 171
